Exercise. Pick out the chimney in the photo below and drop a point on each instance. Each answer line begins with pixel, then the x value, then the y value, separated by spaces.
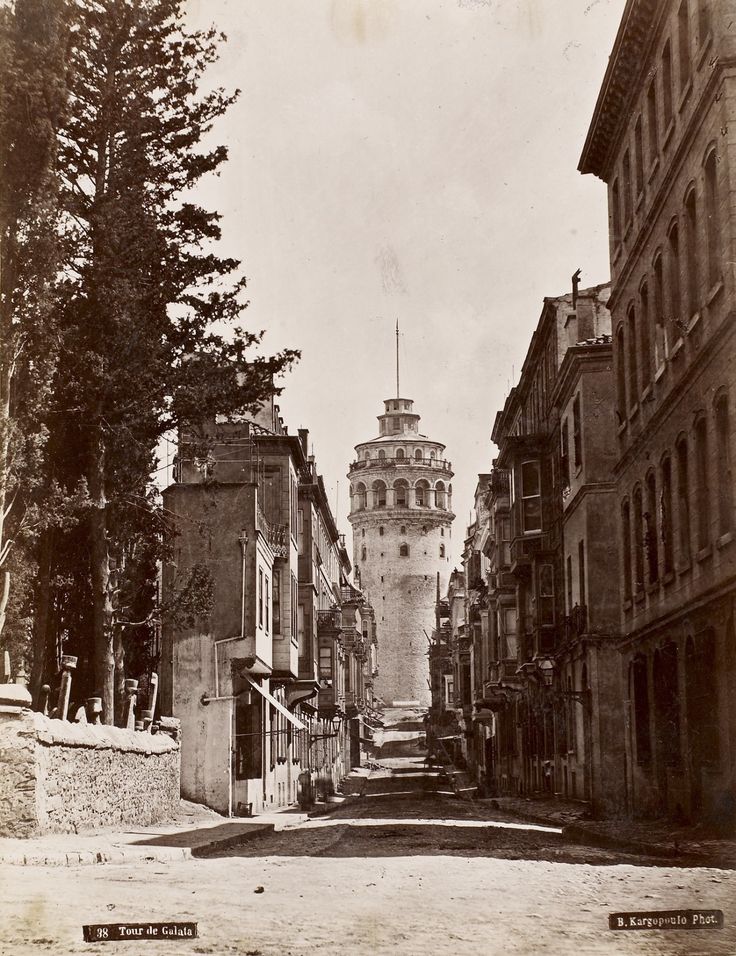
pixel 586 317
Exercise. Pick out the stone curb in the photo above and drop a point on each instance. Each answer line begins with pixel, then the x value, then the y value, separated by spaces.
pixel 133 854
pixel 90 857
pixel 584 836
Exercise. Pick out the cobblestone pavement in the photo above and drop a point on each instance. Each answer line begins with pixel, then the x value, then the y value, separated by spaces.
pixel 413 872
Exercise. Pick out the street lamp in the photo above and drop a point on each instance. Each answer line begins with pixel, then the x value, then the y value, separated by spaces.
pixel 335 722
pixel 547 669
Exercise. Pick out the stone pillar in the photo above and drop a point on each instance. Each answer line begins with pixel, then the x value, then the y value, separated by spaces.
pixel 153 694
pixel 131 691
pixel 68 664
pixel 94 710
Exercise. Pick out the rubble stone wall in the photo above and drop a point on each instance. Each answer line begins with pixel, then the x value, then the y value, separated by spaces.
pixel 59 777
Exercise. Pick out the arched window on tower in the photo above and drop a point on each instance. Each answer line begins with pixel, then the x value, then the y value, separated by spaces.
pixel 379 494
pixel 421 494
pixel 400 453
pixel 403 550
pixel 363 553
pixel 381 455
pixel 440 495
pixel 401 493
pixel 359 497
pixel 418 454
pixel 442 550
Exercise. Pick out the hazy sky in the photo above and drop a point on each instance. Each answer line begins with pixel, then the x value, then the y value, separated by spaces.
pixel 413 159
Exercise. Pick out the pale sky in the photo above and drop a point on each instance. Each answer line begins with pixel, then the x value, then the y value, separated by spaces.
pixel 410 159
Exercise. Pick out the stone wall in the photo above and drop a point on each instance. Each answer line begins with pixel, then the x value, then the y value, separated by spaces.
pixel 60 777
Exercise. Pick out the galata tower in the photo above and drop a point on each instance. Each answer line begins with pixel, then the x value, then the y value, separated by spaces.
pixel 401 514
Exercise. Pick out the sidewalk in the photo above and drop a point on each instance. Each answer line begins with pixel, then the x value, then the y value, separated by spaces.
pixel 693 846
pixel 196 831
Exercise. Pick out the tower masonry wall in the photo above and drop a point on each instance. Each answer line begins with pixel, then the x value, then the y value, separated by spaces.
pixel 402 588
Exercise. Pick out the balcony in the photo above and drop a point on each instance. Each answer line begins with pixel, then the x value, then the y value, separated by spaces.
pixel 526 547
pixel 330 621
pixel 436 464
pixel 275 534
pixel 503 672
pixel 577 623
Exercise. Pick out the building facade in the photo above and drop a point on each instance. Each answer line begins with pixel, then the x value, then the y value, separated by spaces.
pixel 401 515
pixel 663 141
pixel 274 685
pixel 533 616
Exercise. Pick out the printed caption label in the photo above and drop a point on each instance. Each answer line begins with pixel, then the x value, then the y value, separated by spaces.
pixel 667 919
pixel 104 932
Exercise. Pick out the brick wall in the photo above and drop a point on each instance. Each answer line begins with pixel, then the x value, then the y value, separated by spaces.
pixel 59 777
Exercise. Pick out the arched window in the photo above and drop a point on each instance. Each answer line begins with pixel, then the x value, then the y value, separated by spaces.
pixel 626 546
pixel 418 454
pixel 723 464
pixel 667 704
pixel 403 529
pixel 660 335
pixel 359 497
pixel 674 277
pixel 403 550
pixel 363 553
pixel 381 455
pixel 399 452
pixel 367 456
pixel 702 701
pixel 421 494
pixel 639 690
pixel 691 237
pixel 683 500
pixel 651 540
pixel 703 489
pixel 638 541
pixel 380 530
pixel 379 494
pixel 401 493
pixel 665 513
pixel 621 375
pixel 432 456
pixel 712 219
pixel 645 332
pixel 442 550
pixel 615 208
pixel 632 362
pixel 440 495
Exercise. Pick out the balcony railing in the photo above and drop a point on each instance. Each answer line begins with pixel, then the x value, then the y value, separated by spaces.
pixel 329 620
pixel 275 534
pixel 436 464
pixel 577 623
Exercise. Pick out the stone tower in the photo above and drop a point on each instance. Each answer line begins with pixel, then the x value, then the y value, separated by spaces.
pixel 401 514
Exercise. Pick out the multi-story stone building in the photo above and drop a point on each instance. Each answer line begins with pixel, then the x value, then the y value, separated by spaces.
pixel 401 515
pixel 537 680
pixel 272 687
pixel 662 139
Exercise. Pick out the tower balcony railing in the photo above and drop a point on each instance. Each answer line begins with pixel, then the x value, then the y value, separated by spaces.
pixel 436 464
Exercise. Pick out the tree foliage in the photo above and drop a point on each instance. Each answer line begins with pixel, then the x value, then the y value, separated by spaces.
pixel 145 316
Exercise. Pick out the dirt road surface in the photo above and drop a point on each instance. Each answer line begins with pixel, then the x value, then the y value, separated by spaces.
pixel 404 869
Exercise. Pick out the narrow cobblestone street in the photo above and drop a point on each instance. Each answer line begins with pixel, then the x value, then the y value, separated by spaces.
pixel 405 865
